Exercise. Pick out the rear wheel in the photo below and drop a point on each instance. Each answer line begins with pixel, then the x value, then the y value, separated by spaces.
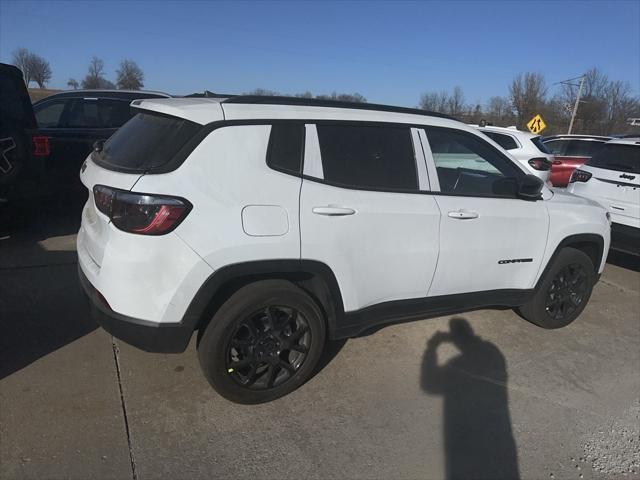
pixel 564 292
pixel 263 343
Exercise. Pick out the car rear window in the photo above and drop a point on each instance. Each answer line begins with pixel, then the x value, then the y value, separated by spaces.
pixel 147 141
pixel 537 141
pixel 505 141
pixel 15 105
pixel 619 157
pixel 581 148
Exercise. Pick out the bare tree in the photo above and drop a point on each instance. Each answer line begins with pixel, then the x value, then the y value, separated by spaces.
pixel 434 101
pixel 39 69
pixel 263 92
pixel 455 104
pixel 95 77
pixel 344 97
pixel 130 75
pixel 21 59
pixel 73 83
pixel 527 93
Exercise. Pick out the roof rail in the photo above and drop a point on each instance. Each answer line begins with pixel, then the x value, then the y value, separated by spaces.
pixel 318 102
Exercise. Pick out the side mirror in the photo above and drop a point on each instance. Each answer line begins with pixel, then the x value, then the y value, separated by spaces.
pixel 530 188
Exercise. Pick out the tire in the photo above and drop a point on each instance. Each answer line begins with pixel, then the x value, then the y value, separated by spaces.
pixel 564 291
pixel 263 342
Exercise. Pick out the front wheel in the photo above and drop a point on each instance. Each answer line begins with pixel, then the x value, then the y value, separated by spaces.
pixel 564 292
pixel 263 342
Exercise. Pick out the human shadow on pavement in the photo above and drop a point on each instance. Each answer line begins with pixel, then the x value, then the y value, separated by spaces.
pixel 41 304
pixel 478 439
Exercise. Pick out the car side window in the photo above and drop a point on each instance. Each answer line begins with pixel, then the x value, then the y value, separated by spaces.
pixel 467 165
pixel 368 157
pixel 286 145
pixel 113 113
pixel 505 141
pixel 49 114
pixel 82 114
pixel 555 146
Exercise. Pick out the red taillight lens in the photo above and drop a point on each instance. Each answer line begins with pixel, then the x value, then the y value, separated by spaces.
pixel 541 164
pixel 580 176
pixel 41 146
pixel 140 213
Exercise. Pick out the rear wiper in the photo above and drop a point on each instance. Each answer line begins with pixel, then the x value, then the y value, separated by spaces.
pixel 98 145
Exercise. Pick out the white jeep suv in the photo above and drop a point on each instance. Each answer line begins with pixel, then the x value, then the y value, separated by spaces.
pixel 270 225
pixel 612 178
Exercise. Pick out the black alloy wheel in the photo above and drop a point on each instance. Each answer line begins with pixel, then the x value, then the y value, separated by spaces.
pixel 268 347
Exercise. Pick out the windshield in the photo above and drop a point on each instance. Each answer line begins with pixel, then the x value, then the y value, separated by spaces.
pixel 616 156
pixel 147 141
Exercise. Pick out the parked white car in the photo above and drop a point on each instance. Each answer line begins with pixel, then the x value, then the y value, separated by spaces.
pixel 271 224
pixel 525 147
pixel 612 178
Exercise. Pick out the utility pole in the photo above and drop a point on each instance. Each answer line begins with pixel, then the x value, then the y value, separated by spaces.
pixel 575 107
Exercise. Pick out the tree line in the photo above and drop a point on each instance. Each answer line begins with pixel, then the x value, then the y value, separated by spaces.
pixel 129 76
pixel 605 105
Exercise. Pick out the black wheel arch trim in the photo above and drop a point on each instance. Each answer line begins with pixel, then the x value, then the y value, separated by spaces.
pixel 577 239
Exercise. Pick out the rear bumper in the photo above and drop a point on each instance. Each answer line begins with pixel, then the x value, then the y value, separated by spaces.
pixel 145 335
pixel 625 238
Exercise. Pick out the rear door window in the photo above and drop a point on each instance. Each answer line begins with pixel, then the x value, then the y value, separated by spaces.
pixel 368 157
pixel 619 157
pixel 505 141
pixel 83 113
pixel 147 141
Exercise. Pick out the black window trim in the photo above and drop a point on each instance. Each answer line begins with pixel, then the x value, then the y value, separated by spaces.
pixel 209 128
pixel 270 145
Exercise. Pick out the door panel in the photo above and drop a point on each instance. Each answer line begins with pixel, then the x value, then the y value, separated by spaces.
pixel 489 239
pixel 499 247
pixel 381 246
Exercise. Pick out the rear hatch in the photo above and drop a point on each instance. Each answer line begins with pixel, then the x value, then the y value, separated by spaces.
pixel 616 169
pixel 149 143
pixel 17 129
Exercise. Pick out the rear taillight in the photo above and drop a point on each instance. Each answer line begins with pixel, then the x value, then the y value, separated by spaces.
pixel 541 164
pixel 580 176
pixel 41 146
pixel 140 213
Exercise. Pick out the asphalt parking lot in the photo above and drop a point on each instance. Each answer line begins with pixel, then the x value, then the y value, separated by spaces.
pixel 506 399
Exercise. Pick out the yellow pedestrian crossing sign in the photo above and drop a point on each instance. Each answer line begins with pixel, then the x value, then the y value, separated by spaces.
pixel 536 124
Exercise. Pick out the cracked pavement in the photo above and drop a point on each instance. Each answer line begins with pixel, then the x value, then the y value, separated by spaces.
pixel 74 403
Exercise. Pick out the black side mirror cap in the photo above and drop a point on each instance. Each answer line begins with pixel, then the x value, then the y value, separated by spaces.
pixel 530 188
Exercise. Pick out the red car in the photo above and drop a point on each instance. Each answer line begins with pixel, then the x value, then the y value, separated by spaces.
pixel 571 151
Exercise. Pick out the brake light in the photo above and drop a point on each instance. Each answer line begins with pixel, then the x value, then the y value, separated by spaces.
pixel 541 164
pixel 41 146
pixel 140 213
pixel 580 176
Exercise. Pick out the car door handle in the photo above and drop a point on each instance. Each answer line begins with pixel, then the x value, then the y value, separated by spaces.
pixel 463 214
pixel 332 211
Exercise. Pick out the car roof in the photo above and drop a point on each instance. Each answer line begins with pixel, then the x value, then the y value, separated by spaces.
pixel 121 94
pixel 573 136
pixel 507 130
pixel 205 110
pixel 625 141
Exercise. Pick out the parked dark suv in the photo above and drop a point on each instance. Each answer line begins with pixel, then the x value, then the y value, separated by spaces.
pixel 23 151
pixel 74 120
